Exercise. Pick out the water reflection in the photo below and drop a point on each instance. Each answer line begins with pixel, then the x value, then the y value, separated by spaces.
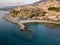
pixel 54 29
pixel 26 35
pixel 42 34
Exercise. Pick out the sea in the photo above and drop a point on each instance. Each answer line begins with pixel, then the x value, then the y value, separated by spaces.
pixel 37 33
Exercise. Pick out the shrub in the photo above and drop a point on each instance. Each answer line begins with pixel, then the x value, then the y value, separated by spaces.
pixel 54 8
pixel 14 13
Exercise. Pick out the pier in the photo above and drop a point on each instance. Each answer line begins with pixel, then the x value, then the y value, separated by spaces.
pixel 22 26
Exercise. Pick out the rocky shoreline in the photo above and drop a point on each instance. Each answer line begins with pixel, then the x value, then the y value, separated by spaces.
pixel 44 12
pixel 12 20
pixel 20 23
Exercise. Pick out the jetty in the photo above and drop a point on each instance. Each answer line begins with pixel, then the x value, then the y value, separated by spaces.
pixel 21 25
pixel 44 12
pixel 39 21
pixel 12 20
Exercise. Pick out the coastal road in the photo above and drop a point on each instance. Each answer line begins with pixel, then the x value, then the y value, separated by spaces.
pixel 43 21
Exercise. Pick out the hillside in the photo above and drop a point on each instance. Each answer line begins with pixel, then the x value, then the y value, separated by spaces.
pixel 47 10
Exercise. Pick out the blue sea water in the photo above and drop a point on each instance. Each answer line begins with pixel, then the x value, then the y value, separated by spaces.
pixel 39 34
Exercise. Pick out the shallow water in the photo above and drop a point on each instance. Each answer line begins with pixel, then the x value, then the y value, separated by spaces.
pixel 39 34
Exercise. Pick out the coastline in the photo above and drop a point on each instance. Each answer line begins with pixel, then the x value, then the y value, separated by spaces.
pixel 41 21
pixel 41 13
pixel 12 20
pixel 21 22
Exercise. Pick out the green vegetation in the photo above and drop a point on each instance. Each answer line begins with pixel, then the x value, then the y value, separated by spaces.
pixel 14 13
pixel 28 12
pixel 43 13
pixel 37 12
pixel 54 8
